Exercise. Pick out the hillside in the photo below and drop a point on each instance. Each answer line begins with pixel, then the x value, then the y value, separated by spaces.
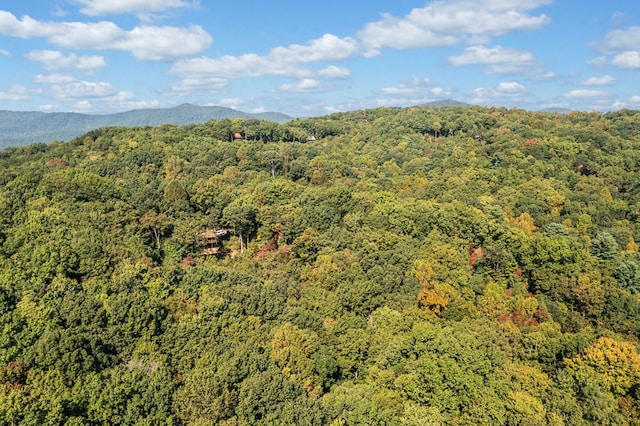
pixel 405 266
pixel 21 128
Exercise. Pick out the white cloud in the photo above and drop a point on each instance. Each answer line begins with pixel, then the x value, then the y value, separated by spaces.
pixel 333 71
pixel 229 67
pixel 511 88
pixel 97 96
pixel 52 59
pixel 508 89
pixel 439 23
pixel 598 61
pixel 113 7
pixel 82 89
pixel 152 43
pixel 304 85
pixel 199 84
pixel 623 45
pixel 47 107
pixel 635 99
pixel 18 93
pixel 446 23
pixel 491 56
pixel 82 106
pixel 25 28
pixel 5 53
pixel 501 60
pixel 585 94
pixel 620 40
pixel 628 59
pixel 605 80
pixel 326 48
pixel 146 43
pixel 440 92
pixel 129 105
pixel 414 91
pixel 409 87
pixel 231 102
pixel 53 79
pixel 281 61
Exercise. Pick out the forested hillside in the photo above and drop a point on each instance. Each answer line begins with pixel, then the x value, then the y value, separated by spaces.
pixel 382 267
pixel 25 127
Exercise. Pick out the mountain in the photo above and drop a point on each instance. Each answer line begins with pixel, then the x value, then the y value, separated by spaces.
pixel 25 127
pixel 444 103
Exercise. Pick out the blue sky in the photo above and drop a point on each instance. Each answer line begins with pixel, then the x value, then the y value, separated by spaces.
pixel 314 58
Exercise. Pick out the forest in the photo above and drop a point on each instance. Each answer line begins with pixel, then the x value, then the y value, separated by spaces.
pixel 392 266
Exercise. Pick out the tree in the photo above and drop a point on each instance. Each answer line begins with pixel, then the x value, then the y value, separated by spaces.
pixel 605 247
pixel 616 362
pixel 241 215
pixel 433 296
pixel 158 225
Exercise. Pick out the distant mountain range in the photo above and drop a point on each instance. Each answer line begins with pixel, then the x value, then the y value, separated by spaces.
pixel 445 103
pixel 26 127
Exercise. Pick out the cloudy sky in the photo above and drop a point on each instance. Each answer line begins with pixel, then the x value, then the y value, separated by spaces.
pixel 313 58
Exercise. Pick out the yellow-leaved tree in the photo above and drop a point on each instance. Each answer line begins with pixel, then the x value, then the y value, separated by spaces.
pixel 433 296
pixel 616 362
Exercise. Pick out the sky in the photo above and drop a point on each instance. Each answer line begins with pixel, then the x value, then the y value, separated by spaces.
pixel 314 58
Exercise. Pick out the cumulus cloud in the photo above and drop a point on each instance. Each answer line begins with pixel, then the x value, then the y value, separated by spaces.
pixel 132 104
pixel 82 106
pixel 199 84
pixel 507 89
pixel 439 23
pixel 605 80
pixel 5 53
pixel 408 87
pixel 491 56
pixel 87 95
pixel 18 93
pixel 52 59
pixel 411 92
pixel 585 94
pixel 82 89
pixel 304 85
pixel 501 60
pixel 114 7
pixel 334 72
pixel 598 61
pixel 620 40
pixel 230 102
pixel 229 67
pixel 629 59
pixel 146 43
pixel 623 45
pixel 283 61
pixel 53 79
pixel 497 60
pixel 446 23
pixel 326 48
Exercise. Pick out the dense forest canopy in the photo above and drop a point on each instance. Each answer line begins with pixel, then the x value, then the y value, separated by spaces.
pixel 381 267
